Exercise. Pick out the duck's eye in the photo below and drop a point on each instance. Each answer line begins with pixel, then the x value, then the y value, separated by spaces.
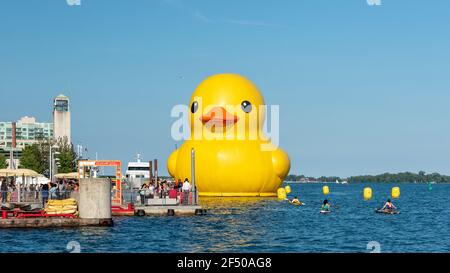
pixel 246 106
pixel 194 107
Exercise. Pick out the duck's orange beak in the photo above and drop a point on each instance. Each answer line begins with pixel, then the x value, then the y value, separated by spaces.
pixel 219 116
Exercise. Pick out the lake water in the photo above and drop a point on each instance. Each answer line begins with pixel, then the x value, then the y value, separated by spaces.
pixel 269 225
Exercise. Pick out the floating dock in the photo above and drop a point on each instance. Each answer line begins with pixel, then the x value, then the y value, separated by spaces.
pixel 169 210
pixel 53 222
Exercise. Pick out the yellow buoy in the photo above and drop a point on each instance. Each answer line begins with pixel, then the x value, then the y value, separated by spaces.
pixel 395 192
pixel 326 190
pixel 287 189
pixel 281 192
pixel 367 193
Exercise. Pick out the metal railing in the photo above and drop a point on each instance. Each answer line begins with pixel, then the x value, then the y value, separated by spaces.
pixel 133 196
pixel 163 198
pixel 33 196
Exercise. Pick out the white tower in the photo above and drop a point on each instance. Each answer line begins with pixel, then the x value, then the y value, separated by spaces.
pixel 61 118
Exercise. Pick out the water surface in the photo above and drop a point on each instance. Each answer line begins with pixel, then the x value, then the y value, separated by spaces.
pixel 269 225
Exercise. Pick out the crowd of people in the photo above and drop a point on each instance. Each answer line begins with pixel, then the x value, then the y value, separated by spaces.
pixel 63 189
pixel 162 188
pixel 60 189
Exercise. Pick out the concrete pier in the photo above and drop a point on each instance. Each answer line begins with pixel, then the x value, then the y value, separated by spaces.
pixel 95 198
pixel 52 222
pixel 94 206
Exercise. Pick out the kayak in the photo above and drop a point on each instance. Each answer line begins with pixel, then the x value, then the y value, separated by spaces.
pixel 387 211
pixel 7 206
pixel 325 211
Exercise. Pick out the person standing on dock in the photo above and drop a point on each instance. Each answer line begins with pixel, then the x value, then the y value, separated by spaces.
pixel 4 189
pixel 33 192
pixel 53 189
pixel 178 184
pixel 151 191
pixel 44 194
pixel 186 189
pixel 142 193
pixel 164 189
pixel 61 189
pixel 12 190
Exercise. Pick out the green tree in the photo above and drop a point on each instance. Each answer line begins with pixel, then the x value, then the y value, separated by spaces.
pixel 36 156
pixel 32 158
pixel 3 164
pixel 67 156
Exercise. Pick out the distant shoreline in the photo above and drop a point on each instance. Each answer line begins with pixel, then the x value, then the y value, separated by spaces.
pixel 403 177
pixel 368 182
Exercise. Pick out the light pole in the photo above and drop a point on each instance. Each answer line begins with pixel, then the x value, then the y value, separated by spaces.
pixel 56 163
pixel 194 186
pixel 55 160
pixel 51 163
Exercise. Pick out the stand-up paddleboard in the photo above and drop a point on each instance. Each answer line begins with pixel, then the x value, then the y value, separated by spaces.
pixel 387 211
pixel 325 211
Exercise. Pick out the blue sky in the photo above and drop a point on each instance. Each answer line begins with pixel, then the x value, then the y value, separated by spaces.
pixel 362 89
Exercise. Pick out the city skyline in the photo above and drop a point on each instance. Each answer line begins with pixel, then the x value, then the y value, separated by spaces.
pixel 354 99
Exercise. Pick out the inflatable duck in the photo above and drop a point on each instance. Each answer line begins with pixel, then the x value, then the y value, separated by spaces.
pixel 233 157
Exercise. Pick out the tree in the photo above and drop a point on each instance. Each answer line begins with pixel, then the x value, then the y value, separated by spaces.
pixel 36 156
pixel 32 159
pixel 67 156
pixel 3 164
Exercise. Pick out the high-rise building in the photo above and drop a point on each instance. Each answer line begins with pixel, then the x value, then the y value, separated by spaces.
pixel 28 132
pixel 61 117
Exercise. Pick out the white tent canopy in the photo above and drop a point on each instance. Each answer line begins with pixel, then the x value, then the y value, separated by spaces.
pixel 35 180
pixel 18 172
pixel 24 175
pixel 67 175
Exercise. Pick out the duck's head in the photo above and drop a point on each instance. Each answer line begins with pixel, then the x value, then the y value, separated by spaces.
pixel 226 104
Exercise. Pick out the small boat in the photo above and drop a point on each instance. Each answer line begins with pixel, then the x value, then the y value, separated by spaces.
pixel 31 207
pixel 137 172
pixel 24 207
pixel 297 203
pixel 387 211
pixel 7 206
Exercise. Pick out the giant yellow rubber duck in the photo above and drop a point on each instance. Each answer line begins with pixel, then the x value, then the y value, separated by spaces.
pixel 233 157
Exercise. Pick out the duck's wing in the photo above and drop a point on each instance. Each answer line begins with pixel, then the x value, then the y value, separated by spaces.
pixel 281 163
